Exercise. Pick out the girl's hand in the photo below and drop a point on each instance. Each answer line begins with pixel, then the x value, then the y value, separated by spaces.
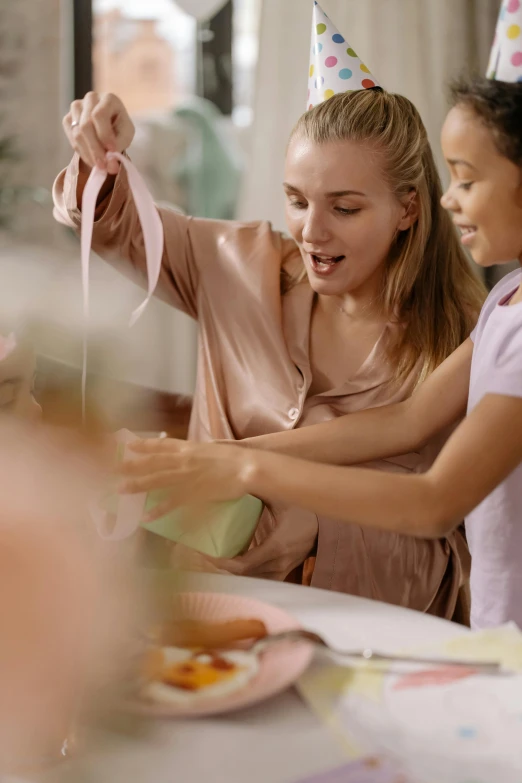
pixel 193 473
pixel 96 125
pixel 196 473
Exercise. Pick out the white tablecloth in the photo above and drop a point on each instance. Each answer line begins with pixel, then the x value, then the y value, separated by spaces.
pixel 279 741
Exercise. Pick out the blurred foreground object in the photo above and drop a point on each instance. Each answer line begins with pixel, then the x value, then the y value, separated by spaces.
pixel 64 595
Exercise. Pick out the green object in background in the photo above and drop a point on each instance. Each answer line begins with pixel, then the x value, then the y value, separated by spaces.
pixel 209 172
pixel 226 532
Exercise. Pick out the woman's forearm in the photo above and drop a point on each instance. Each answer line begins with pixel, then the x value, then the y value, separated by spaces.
pixel 403 504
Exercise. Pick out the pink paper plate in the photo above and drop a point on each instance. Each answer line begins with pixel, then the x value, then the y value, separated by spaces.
pixel 279 667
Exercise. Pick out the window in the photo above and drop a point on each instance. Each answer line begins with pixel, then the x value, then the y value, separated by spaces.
pixel 154 55
pixel 150 68
pixel 145 52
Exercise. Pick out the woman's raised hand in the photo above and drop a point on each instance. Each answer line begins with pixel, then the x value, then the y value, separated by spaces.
pixel 96 125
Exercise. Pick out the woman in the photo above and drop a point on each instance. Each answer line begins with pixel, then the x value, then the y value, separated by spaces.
pixel 369 295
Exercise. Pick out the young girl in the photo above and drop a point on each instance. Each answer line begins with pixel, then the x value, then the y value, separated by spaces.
pixel 478 473
pixel 370 294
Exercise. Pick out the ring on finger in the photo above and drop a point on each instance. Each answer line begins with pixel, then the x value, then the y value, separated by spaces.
pixel 75 123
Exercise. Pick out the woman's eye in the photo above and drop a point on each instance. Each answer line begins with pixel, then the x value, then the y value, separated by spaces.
pixel 465 185
pixel 345 211
pixel 298 204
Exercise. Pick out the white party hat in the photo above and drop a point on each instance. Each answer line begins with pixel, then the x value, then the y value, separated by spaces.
pixel 505 62
pixel 334 65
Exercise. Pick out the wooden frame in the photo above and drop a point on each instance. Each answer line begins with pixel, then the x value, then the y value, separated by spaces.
pixel 215 59
pixel 82 35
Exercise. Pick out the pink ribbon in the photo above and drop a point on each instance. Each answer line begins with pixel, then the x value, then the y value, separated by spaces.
pixel 130 507
pixel 153 239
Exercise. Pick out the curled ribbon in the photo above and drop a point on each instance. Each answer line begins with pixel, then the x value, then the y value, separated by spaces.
pixel 130 507
pixel 153 239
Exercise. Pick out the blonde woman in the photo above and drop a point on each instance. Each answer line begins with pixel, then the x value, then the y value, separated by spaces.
pixel 369 294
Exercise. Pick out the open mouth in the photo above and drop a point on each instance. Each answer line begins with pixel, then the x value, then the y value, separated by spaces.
pixel 324 265
pixel 467 233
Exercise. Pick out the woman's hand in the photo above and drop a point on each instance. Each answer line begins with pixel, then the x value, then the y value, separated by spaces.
pixel 96 125
pixel 193 473
pixel 286 547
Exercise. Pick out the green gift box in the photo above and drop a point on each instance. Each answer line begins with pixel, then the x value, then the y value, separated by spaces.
pixel 220 530
pixel 217 529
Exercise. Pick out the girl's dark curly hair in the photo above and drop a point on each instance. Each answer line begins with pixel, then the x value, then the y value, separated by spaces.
pixel 499 106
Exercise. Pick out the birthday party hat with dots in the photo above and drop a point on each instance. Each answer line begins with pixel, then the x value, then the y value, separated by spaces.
pixel 335 67
pixel 505 62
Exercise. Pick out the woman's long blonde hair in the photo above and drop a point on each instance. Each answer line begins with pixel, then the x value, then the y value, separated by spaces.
pixel 429 286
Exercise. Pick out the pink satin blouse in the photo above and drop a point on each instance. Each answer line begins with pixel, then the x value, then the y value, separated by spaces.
pixel 254 374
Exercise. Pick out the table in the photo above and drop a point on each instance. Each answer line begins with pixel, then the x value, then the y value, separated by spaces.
pixel 279 741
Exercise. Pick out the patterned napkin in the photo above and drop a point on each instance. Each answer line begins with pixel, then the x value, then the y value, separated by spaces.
pixel 435 723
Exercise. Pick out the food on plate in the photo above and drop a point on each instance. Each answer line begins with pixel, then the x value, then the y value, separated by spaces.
pixel 189 660
pixel 201 634
pixel 181 676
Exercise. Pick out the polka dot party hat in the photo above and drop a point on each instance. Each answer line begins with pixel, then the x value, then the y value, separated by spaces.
pixel 334 66
pixel 505 62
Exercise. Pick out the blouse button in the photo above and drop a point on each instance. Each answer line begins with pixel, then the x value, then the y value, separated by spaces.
pixel 293 413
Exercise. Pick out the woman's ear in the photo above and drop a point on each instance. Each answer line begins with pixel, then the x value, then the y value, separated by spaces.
pixel 410 211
